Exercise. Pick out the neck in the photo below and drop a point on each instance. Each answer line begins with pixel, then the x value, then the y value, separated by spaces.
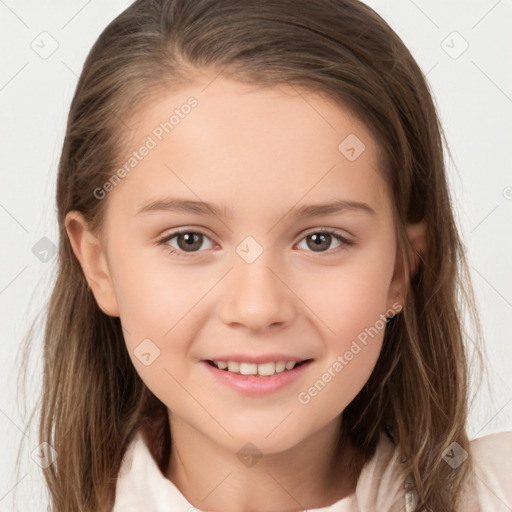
pixel 312 474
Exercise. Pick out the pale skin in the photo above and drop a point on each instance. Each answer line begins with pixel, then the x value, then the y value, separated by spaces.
pixel 261 153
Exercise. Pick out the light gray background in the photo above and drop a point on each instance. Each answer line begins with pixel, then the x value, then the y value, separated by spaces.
pixel 473 91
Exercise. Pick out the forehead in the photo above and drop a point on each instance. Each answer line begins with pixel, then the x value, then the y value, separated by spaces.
pixel 243 145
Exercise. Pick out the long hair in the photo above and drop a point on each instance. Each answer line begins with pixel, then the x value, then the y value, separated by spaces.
pixel 93 401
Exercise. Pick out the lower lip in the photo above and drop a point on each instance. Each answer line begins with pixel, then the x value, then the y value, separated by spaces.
pixel 254 384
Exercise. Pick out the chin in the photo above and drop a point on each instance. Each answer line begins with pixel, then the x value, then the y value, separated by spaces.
pixel 269 438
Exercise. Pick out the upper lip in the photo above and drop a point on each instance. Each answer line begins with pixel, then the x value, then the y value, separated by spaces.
pixel 257 359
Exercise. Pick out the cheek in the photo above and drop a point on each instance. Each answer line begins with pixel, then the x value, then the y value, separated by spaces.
pixel 353 344
pixel 154 296
pixel 352 297
pixel 339 381
pixel 159 308
pixel 156 309
pixel 350 302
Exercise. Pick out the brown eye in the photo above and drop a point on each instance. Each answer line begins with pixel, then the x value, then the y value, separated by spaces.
pixel 320 241
pixel 186 242
pixel 189 241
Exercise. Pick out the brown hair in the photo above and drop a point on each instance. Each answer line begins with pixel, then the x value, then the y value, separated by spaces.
pixel 93 400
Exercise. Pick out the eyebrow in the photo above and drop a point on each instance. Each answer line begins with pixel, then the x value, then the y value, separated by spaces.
pixel 205 208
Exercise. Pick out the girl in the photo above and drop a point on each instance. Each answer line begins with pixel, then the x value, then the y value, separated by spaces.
pixel 259 302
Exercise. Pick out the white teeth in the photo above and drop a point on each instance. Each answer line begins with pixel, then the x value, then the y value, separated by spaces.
pixel 267 369
pixel 248 369
pixel 264 369
pixel 280 366
pixel 233 366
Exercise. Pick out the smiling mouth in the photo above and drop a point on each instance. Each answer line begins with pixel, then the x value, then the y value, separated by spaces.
pixel 260 370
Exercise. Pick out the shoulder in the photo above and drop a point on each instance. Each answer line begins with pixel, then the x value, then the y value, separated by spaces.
pixel 499 443
pixel 492 457
pixel 381 483
pixel 489 484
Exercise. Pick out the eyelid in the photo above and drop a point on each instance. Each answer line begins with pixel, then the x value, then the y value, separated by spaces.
pixel 337 231
pixel 170 235
pixel 178 231
pixel 345 242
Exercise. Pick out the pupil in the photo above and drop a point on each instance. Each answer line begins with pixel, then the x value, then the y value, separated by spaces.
pixel 193 241
pixel 190 242
pixel 319 239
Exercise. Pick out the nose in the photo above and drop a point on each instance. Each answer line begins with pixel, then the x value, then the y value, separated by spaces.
pixel 256 297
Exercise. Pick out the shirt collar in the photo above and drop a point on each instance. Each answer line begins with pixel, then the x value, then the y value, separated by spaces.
pixel 142 487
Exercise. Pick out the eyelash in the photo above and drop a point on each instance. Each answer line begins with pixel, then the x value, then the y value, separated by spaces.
pixel 182 254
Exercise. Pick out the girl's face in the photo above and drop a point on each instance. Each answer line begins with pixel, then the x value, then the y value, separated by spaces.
pixel 256 281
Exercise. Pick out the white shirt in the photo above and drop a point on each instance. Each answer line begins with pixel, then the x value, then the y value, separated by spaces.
pixel 142 487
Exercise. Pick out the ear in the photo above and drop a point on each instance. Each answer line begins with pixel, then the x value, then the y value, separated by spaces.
pixel 91 255
pixel 417 235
